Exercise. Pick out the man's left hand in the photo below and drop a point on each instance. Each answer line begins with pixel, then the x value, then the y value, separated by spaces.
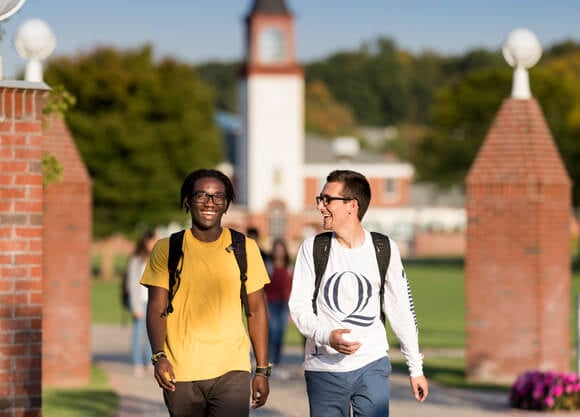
pixel 420 387
pixel 260 391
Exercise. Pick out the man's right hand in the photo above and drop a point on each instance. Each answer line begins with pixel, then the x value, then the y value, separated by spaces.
pixel 164 374
pixel 338 342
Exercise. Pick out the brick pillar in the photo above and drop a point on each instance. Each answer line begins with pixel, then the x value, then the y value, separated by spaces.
pixel 518 278
pixel 21 235
pixel 66 348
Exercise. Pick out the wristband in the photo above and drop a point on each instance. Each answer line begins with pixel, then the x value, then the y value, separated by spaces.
pixel 264 371
pixel 158 355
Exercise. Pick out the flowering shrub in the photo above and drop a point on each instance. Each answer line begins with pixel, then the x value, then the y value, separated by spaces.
pixel 534 390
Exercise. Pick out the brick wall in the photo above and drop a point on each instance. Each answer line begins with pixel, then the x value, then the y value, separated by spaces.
pixel 438 244
pixel 21 235
pixel 66 347
pixel 518 276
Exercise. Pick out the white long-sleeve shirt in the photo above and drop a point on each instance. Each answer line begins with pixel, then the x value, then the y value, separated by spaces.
pixel 138 294
pixel 348 297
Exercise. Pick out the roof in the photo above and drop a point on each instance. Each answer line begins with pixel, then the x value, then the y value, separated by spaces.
pixel 270 7
pixel 318 150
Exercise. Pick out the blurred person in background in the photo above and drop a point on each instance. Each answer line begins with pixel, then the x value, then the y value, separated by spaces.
pixel 140 347
pixel 277 295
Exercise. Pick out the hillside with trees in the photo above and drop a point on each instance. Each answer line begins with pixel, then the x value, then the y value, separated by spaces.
pixel 141 125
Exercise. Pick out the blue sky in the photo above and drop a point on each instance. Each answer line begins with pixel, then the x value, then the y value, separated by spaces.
pixel 195 31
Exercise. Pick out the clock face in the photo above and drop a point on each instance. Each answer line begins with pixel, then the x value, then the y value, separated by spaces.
pixel 272 46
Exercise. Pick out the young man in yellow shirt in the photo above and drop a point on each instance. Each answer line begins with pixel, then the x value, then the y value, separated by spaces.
pixel 201 349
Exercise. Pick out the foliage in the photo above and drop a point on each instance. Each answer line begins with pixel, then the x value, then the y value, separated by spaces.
pixel 140 127
pixel 223 78
pixel 461 115
pixel 385 85
pixel 362 78
pixel 324 115
pixel 59 101
pixel 463 112
pixel 94 400
pixel 535 390
pixel 51 169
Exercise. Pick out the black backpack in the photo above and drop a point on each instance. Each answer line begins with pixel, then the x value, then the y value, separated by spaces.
pixel 238 246
pixel 321 251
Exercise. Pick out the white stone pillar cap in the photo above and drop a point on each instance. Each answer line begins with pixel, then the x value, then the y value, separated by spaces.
pixel 34 41
pixel 521 50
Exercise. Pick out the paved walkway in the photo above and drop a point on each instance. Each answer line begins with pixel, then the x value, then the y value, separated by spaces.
pixel 141 396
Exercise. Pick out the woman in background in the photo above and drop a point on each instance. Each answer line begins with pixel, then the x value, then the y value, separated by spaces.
pixel 277 295
pixel 140 347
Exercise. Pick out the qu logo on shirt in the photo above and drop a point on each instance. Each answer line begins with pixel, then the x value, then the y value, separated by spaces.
pixel 349 305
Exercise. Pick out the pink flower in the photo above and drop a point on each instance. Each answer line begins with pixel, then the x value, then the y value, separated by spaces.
pixel 557 390
pixel 535 390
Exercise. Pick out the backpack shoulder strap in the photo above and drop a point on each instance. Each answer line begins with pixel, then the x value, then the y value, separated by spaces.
pixel 383 253
pixel 239 248
pixel 320 252
pixel 175 255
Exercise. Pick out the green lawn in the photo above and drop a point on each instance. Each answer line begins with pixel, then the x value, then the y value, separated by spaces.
pixel 438 292
pixel 94 400
pixel 97 399
pixel 106 302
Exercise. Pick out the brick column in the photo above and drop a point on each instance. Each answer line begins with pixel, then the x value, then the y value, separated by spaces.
pixel 21 234
pixel 518 278
pixel 66 328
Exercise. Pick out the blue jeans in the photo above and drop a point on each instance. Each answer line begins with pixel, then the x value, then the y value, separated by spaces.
pixel 367 390
pixel 140 347
pixel 277 322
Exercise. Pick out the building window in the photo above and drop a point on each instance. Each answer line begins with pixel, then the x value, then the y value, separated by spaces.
pixel 390 188
pixel 277 221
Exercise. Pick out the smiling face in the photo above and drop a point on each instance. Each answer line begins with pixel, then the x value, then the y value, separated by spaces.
pixel 208 204
pixel 336 213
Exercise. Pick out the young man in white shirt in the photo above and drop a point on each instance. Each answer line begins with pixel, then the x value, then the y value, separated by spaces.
pixel 346 362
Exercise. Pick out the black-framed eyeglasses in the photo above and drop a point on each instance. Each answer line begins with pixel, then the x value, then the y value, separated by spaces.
pixel 327 199
pixel 201 197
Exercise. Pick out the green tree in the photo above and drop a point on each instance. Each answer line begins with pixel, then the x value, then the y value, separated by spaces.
pixel 223 77
pixel 463 113
pixel 380 83
pixel 324 115
pixel 562 100
pixel 461 116
pixel 140 127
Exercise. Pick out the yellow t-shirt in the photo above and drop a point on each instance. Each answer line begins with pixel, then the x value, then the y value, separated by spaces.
pixel 206 335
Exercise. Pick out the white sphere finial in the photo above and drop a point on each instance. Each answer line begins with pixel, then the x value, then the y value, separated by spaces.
pixel 521 50
pixel 9 7
pixel 34 41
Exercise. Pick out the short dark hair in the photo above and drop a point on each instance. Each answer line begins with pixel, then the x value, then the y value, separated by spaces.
pixel 189 181
pixel 355 185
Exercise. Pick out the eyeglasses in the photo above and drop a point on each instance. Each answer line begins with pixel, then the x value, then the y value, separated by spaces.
pixel 201 197
pixel 327 199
